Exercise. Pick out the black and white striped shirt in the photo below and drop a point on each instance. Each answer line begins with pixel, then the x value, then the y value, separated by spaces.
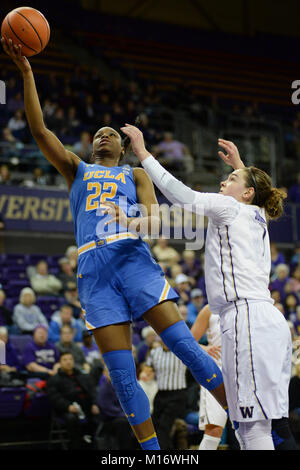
pixel 169 370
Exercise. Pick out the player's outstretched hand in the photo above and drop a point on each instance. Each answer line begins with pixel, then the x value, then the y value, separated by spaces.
pixel 15 54
pixel 232 156
pixel 137 141
pixel 117 214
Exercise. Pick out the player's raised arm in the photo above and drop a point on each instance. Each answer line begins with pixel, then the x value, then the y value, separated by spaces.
pixel 63 160
pixel 232 156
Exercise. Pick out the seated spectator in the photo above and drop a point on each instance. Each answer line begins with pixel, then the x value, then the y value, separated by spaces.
pixel 182 307
pixel 38 178
pixel 67 344
pixel 64 317
pixel 290 304
pixel 66 275
pixel 72 255
pixel 295 280
pixel 12 144
pixel 83 148
pixel 182 287
pixel 56 122
pixel 44 283
pixel 40 357
pixel 174 271
pixel 148 383
pixel 5 314
pixel 164 253
pixel 280 278
pixel 149 336
pixel 12 364
pixel 71 297
pixel 194 306
pixel 191 266
pixel 172 153
pixel 116 427
pixel 72 122
pixel 5 175
pixel 276 295
pixel 276 256
pixel 68 391
pixel 27 316
pixel 295 260
pixel 17 123
pixel 90 349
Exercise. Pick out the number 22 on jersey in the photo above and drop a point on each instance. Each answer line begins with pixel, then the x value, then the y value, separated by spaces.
pixel 98 197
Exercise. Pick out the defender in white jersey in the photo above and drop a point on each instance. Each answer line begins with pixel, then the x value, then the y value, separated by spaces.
pixel 212 417
pixel 256 341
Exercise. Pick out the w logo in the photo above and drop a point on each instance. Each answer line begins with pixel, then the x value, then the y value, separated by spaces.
pixel 247 411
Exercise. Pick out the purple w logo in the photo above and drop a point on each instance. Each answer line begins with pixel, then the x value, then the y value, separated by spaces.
pixel 247 411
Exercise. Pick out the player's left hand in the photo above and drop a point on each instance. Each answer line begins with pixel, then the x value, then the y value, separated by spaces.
pixel 117 214
pixel 137 141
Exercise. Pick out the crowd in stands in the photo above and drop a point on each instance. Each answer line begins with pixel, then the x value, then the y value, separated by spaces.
pixel 53 339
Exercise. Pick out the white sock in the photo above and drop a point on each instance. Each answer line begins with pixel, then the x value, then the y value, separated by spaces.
pixel 209 442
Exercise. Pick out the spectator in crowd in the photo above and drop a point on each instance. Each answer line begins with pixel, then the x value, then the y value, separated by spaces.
pixel 295 260
pixel 149 336
pixel 276 256
pixel 61 318
pixel 12 364
pixel 66 276
pixel 276 295
pixel 40 357
pixel 182 287
pixel 72 122
pixel 72 255
pixel 182 307
pixel 83 148
pixel 48 109
pixel 38 178
pixel 27 316
pixel 191 266
pixel 194 306
pixel 15 103
pixel 71 297
pixel 116 429
pixel 68 389
pixel 5 314
pixel 170 399
pixel 148 383
pixel 5 175
pixel 44 283
pixel 89 348
pixel 172 153
pixel 57 122
pixel 295 280
pixel 280 279
pixel 67 344
pixel 294 191
pixel 164 253
pixel 12 144
pixel 17 124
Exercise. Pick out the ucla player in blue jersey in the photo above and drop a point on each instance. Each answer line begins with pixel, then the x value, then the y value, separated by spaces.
pixel 118 279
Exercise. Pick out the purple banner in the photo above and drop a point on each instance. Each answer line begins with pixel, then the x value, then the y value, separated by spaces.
pixel 38 210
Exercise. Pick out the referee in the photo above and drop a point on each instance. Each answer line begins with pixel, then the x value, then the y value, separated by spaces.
pixel 170 400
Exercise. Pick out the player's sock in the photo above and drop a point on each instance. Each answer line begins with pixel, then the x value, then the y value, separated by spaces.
pixel 150 443
pixel 181 342
pixel 209 442
pixel 283 439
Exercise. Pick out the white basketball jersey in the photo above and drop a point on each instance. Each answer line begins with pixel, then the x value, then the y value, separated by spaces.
pixel 237 258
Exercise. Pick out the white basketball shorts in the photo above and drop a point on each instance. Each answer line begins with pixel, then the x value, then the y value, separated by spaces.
pixel 256 360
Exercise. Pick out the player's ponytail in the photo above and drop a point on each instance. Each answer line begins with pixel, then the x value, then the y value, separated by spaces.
pixel 265 194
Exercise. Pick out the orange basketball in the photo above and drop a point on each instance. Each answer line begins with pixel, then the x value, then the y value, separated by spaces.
pixel 27 27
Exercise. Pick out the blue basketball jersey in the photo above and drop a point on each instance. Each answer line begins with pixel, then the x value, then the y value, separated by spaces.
pixel 93 185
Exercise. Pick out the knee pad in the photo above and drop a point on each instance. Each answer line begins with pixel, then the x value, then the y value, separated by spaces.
pixel 181 342
pixel 133 399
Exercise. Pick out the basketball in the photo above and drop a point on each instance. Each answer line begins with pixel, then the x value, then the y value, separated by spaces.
pixel 27 27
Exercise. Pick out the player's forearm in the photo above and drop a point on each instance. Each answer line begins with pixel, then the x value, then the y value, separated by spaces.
pixel 173 189
pixel 32 105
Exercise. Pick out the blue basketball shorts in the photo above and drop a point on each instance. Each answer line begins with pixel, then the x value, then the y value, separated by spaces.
pixel 119 282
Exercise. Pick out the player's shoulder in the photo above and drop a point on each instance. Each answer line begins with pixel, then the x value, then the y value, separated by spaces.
pixel 140 175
